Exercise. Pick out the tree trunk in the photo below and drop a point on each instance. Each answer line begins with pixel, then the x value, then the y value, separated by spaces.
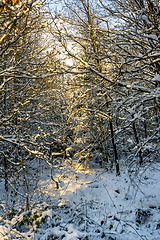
pixel 114 148
pixel 137 141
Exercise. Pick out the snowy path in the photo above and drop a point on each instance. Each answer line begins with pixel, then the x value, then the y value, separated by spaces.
pixel 92 204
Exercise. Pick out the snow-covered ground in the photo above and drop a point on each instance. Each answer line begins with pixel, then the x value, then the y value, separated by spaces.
pixel 90 204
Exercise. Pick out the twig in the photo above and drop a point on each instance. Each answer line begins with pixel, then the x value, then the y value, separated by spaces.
pixel 18 233
pixel 109 196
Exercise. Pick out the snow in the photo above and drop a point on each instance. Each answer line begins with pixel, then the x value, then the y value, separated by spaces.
pixel 90 203
pixel 4 230
pixel 152 36
pixel 145 18
pixel 52 231
pixel 156 78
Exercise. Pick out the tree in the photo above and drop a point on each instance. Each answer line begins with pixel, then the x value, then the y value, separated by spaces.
pixel 23 75
pixel 137 44
pixel 117 58
pixel 82 31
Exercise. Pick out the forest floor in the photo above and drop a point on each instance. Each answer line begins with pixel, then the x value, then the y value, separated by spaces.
pixel 90 204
